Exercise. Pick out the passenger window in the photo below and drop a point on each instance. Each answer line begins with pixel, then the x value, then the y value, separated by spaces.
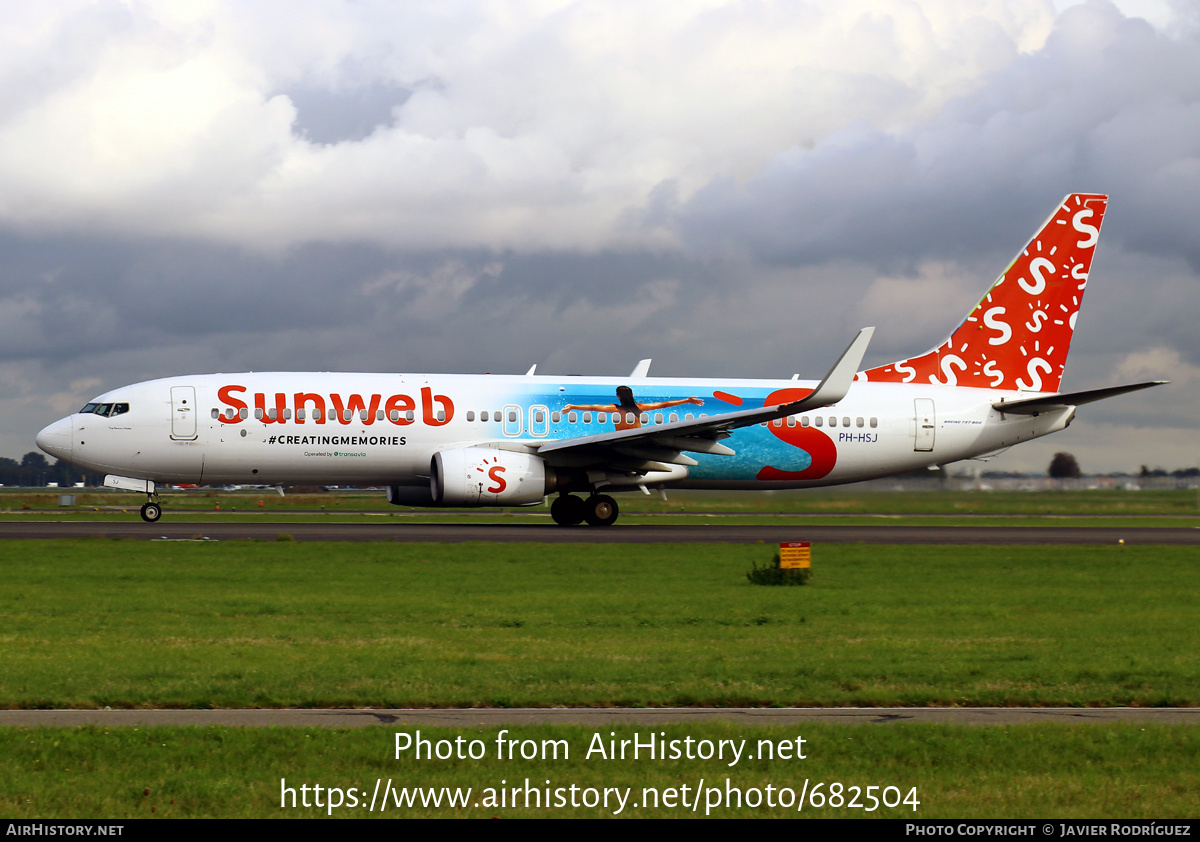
pixel 229 413
pixel 258 414
pixel 347 414
pixel 316 415
pixel 362 415
pixel 820 420
pixel 874 421
pixel 539 417
pixel 689 417
pixel 410 416
pixel 299 414
pixel 470 415
pixel 587 418
pixel 287 414
pixel 832 421
pixel 645 417
pixel 379 415
pixel 216 413
pixel 602 417
pixel 791 420
pixel 441 415
pixel 483 416
pixel 846 421
pixel 674 417
pixel 555 417
pixel 803 420
pixel 512 417
pixel 394 415
pixel 658 418
pixel 244 413
pixel 858 422
pixel 778 422
pixel 572 417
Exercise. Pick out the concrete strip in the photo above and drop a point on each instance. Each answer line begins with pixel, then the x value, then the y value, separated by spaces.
pixel 400 531
pixel 594 717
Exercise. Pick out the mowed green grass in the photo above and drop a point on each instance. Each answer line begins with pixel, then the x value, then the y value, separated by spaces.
pixel 94 623
pixel 1180 503
pixel 1034 771
pixel 841 506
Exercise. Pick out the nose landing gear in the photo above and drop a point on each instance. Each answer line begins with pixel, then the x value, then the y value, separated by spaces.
pixel 151 511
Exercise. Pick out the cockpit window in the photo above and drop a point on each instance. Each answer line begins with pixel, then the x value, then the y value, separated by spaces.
pixel 107 410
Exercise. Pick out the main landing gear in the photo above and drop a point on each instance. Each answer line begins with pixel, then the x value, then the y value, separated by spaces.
pixel 597 510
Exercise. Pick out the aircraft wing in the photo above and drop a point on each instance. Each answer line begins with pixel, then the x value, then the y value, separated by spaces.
pixel 1033 406
pixel 666 442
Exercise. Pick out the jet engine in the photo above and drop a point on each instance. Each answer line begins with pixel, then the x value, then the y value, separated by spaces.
pixel 486 476
pixel 410 495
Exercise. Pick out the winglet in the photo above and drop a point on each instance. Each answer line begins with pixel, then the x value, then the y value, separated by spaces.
pixel 532 369
pixel 834 386
pixel 641 369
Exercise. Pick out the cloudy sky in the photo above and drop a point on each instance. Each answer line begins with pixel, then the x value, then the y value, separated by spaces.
pixel 729 187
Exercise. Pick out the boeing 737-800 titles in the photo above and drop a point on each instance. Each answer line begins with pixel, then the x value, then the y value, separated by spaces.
pixel 485 440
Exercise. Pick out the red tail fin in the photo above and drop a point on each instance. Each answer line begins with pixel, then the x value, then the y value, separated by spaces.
pixel 1018 335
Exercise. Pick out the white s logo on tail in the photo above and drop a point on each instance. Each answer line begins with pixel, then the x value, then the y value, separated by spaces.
pixel 1034 365
pixel 1083 228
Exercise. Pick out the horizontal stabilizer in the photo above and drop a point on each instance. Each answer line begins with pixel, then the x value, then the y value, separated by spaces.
pixel 1033 406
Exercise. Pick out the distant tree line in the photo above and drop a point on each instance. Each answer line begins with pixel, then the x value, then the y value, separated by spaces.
pixel 33 470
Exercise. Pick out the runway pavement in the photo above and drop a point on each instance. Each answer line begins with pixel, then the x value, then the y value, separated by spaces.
pixel 595 717
pixel 768 532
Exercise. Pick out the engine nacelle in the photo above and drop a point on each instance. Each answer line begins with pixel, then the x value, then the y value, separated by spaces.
pixel 485 476
pixel 410 495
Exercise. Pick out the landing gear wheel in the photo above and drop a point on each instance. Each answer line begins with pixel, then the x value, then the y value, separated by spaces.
pixel 151 512
pixel 600 510
pixel 567 510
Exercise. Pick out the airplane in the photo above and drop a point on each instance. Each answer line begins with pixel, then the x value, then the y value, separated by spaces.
pixel 497 440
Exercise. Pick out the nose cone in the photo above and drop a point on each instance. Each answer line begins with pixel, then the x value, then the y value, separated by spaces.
pixel 56 439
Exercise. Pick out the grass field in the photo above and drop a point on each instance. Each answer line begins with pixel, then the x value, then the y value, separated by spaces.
pixel 1037 772
pixel 841 501
pixel 94 623
pixel 843 507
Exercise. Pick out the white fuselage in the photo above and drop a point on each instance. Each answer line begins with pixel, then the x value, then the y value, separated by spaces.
pixel 279 428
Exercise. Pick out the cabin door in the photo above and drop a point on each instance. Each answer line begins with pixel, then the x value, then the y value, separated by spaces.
pixel 926 424
pixel 183 413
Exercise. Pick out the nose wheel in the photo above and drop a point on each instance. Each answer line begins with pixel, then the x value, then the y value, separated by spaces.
pixel 151 512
